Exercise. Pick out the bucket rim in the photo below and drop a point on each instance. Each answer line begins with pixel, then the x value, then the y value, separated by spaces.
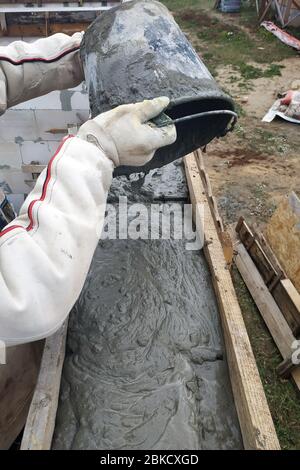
pixel 192 98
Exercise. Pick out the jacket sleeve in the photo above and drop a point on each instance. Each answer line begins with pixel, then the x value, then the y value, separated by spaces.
pixel 45 253
pixel 28 70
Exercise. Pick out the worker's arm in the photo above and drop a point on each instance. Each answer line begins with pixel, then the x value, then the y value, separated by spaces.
pixel 45 253
pixel 28 70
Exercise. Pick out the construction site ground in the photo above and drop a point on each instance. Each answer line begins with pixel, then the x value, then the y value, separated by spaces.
pixel 253 167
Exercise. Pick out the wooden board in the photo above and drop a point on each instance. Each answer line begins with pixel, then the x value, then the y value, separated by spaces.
pixel 283 234
pixel 268 270
pixel 286 296
pixel 254 415
pixel 267 249
pixel 42 413
pixel 17 381
pixel 208 190
pixel 288 300
pixel 292 292
pixel 223 235
pixel 27 30
pixel 276 323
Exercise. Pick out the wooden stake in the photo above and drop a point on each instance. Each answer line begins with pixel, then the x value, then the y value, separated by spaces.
pixel 40 423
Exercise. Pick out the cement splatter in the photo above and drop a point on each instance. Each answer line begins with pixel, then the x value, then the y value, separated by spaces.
pixel 145 366
pixel 19 140
pixel 65 97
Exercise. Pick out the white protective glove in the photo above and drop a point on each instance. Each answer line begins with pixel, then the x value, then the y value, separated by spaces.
pixel 125 135
pixel 46 252
pixel 28 70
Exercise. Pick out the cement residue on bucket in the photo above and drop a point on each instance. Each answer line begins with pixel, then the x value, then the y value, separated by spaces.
pixel 137 51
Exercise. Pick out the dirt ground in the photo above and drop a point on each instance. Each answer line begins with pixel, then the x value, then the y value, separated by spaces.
pixel 255 166
pixel 252 168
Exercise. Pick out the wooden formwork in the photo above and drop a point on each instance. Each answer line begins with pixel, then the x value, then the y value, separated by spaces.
pixel 255 419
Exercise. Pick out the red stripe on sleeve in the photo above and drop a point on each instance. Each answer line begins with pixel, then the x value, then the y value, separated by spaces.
pixel 44 193
pixel 40 59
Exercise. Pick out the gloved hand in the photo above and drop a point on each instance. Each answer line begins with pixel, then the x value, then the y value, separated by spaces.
pixel 124 134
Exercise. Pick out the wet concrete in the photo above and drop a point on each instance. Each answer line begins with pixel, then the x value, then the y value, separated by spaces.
pixel 145 366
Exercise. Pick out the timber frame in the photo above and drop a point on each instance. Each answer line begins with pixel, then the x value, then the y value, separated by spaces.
pixel 254 416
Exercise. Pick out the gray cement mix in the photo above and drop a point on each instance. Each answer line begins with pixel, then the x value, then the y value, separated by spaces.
pixel 145 365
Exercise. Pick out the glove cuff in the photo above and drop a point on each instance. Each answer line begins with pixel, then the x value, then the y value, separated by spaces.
pixel 93 133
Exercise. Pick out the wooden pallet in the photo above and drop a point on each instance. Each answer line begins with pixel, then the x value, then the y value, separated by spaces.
pixel 272 273
pixel 266 303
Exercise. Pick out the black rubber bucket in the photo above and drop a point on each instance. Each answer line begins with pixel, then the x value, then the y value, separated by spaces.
pixel 137 51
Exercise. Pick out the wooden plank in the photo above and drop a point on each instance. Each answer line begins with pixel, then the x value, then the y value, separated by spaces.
pixel 266 5
pixel 288 300
pixel 254 415
pixel 272 273
pixel 280 17
pixel 207 185
pixel 276 323
pixel 227 246
pixel 270 311
pixel 292 292
pixel 287 12
pixel 283 234
pixel 265 266
pixel 37 30
pixel 223 235
pixel 296 4
pixel 17 382
pixel 40 423
pixel 267 249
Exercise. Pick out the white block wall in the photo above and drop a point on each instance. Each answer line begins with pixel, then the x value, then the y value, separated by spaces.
pixel 24 137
